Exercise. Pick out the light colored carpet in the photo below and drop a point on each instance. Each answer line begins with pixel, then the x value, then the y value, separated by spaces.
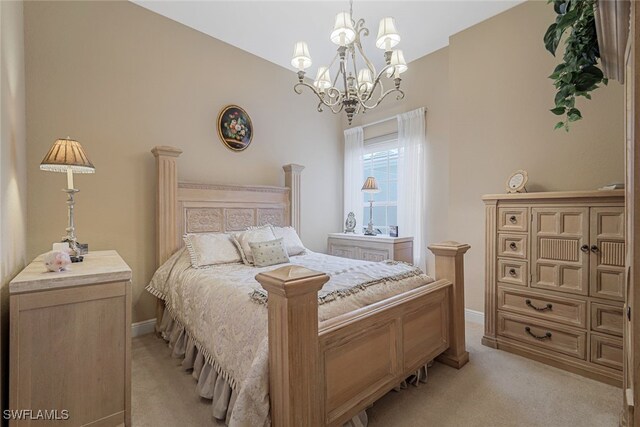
pixel 494 389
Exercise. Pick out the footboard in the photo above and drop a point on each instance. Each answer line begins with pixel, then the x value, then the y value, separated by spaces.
pixel 324 374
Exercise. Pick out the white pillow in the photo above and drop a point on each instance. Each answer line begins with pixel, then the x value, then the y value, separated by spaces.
pixel 292 241
pixel 211 249
pixel 255 235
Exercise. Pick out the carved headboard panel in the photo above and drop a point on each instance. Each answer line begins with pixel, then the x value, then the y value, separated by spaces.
pixel 185 207
pixel 206 208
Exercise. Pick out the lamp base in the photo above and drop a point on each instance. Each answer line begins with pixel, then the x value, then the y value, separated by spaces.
pixel 370 231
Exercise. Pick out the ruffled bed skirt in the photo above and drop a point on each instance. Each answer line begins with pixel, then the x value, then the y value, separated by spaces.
pixel 212 385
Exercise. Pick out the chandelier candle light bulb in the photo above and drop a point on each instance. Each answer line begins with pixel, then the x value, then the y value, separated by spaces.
pixel 365 90
pixel 343 31
pixel 323 79
pixel 388 36
pixel 301 57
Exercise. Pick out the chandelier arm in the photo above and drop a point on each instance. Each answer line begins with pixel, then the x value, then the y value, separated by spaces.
pixel 297 89
pixel 370 65
pixel 376 83
pixel 384 95
pixel 343 70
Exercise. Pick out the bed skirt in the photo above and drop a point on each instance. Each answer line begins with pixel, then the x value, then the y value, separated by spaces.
pixel 212 385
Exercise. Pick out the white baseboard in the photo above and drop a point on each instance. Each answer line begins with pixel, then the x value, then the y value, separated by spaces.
pixel 474 316
pixel 143 328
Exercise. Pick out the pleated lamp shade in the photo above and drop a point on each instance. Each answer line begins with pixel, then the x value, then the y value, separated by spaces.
pixel 370 185
pixel 67 154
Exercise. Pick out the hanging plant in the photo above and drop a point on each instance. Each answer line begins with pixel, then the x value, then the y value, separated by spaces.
pixel 577 74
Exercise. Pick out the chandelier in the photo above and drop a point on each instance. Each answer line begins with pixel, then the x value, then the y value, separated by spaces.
pixel 362 88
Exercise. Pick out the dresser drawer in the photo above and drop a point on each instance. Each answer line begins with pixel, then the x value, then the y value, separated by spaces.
pixel 606 318
pixel 513 219
pixel 556 309
pixel 513 272
pixel 513 245
pixel 543 334
pixel 606 351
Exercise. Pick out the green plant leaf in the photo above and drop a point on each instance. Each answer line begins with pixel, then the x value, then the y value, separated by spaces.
pixel 551 39
pixel 578 73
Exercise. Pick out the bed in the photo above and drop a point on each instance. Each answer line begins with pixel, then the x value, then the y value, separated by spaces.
pixel 313 342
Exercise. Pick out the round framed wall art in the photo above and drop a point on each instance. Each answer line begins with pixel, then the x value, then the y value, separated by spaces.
pixel 234 128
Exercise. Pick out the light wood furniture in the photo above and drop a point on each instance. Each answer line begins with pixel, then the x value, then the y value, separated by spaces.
pixel 371 248
pixel 555 279
pixel 322 373
pixel 619 40
pixel 70 345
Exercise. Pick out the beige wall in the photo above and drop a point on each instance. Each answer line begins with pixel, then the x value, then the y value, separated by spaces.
pixel 121 80
pixel 500 97
pixel 487 97
pixel 13 176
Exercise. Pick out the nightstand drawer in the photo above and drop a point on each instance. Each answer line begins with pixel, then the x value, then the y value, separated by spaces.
pixel 371 248
pixel 343 251
pixel 375 255
pixel 543 334
pixel 513 245
pixel 513 219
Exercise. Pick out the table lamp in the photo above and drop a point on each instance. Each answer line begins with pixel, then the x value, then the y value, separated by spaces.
pixel 67 156
pixel 370 186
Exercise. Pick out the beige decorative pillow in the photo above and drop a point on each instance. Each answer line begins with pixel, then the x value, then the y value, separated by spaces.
pixel 211 249
pixel 255 235
pixel 269 253
pixel 291 240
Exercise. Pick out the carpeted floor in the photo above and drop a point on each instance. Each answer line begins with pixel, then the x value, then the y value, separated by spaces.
pixel 495 389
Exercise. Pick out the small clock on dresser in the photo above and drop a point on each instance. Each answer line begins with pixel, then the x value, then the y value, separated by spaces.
pixel 517 181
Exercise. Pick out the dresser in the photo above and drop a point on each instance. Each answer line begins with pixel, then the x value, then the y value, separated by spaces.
pixel 555 279
pixel 70 341
pixel 371 248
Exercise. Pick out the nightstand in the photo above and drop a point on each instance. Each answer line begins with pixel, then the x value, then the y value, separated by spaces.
pixel 371 248
pixel 70 345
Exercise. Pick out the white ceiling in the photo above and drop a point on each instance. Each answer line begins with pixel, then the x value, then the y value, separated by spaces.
pixel 269 29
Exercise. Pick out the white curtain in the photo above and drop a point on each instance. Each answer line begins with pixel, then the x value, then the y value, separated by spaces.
pixel 353 174
pixel 411 181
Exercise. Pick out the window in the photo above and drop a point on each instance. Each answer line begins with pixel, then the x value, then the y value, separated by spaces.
pixel 381 161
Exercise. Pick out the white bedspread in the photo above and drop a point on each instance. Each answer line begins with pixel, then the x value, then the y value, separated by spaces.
pixel 219 307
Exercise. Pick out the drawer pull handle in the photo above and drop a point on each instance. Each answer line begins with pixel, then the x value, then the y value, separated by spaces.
pixel 512 272
pixel 545 308
pixel 546 336
pixel 513 246
pixel 513 219
pixel 595 249
pixel 584 248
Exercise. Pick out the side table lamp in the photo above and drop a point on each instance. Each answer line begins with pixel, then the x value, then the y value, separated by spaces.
pixel 370 186
pixel 68 156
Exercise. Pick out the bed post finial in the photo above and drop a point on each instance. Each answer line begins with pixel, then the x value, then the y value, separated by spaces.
pixel 450 266
pixel 292 180
pixel 294 358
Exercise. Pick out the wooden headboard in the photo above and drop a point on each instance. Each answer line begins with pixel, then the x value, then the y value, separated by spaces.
pixel 187 207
